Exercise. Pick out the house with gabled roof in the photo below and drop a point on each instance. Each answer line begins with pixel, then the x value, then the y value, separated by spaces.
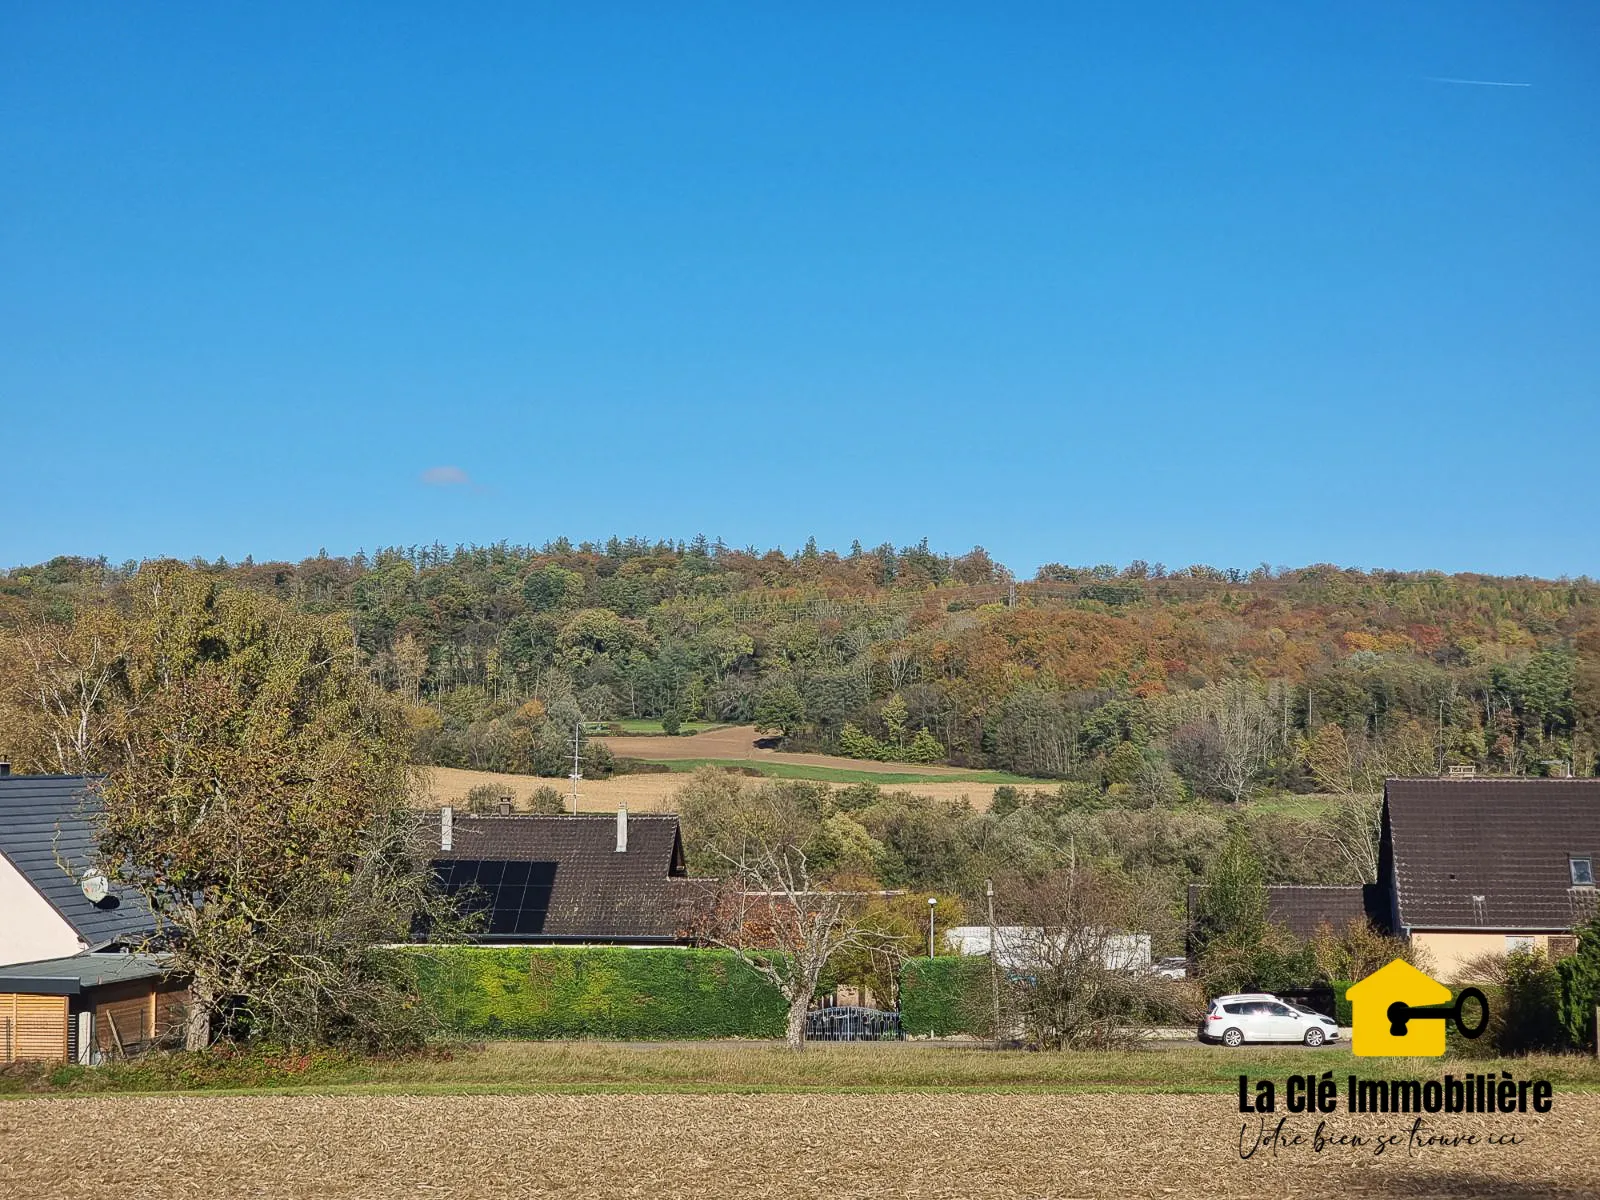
pixel 1474 867
pixel 563 880
pixel 72 984
pixel 54 900
pixel 1467 868
pixel 1303 909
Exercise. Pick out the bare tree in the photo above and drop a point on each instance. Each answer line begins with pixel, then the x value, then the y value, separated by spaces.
pixel 784 928
pixel 771 912
pixel 1247 734
pixel 1229 741
pixel 410 666
pixel 1353 830
pixel 1079 963
pixel 58 681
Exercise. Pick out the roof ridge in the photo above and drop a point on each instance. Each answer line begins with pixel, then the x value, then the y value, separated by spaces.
pixel 593 816
pixel 1468 780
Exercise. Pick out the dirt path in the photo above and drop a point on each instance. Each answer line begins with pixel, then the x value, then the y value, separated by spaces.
pixel 797 1146
pixel 739 742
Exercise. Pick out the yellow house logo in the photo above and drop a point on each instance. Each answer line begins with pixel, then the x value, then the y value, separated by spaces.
pixel 1400 1011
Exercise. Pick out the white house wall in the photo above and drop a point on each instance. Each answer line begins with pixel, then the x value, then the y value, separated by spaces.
pixel 30 929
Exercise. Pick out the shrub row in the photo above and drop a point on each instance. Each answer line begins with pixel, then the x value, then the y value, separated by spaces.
pixel 602 992
pixel 676 992
pixel 943 996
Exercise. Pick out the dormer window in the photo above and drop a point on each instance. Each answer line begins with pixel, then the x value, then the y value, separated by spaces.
pixel 1582 871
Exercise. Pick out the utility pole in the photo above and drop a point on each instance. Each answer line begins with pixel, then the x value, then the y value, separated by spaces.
pixel 577 772
pixel 994 959
pixel 933 903
pixel 1441 737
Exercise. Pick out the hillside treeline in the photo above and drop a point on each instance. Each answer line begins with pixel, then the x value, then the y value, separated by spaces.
pixel 1140 681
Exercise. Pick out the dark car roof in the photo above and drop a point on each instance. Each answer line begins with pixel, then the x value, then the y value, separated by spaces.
pixel 1490 853
pixel 46 833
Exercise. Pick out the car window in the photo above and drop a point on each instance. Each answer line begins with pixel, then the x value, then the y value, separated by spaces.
pixel 1238 1010
pixel 1279 1010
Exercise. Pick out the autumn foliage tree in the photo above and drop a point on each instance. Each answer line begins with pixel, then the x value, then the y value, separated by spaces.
pixel 1229 677
pixel 256 792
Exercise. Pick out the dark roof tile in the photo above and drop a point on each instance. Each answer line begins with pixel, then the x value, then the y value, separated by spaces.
pixel 1491 853
pixel 1302 910
pixel 46 833
pixel 562 877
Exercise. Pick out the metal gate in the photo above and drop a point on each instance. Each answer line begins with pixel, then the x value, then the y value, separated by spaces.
pixel 848 1023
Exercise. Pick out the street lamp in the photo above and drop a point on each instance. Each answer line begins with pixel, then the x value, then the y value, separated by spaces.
pixel 994 959
pixel 933 903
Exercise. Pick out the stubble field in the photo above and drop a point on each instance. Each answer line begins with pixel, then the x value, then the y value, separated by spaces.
pixel 647 792
pixel 932 1147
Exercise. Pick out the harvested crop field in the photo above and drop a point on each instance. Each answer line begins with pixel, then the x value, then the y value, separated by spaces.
pixel 736 742
pixel 646 792
pixel 642 793
pixel 810 1145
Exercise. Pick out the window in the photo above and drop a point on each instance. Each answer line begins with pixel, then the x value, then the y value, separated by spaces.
pixel 1279 1010
pixel 1518 941
pixel 1582 871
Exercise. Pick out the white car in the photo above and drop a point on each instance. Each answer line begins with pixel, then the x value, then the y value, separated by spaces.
pixel 1262 1017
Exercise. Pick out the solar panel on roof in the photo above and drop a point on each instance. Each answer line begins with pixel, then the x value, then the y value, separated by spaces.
pixel 514 897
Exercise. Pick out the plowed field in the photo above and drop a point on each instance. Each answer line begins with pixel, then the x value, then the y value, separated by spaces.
pixel 826 1146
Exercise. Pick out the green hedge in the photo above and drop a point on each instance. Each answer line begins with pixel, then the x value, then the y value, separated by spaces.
pixel 1522 1018
pixel 1342 1010
pixel 1580 987
pixel 601 992
pixel 943 996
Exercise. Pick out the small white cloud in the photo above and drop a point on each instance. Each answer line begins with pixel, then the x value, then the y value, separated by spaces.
pixel 446 477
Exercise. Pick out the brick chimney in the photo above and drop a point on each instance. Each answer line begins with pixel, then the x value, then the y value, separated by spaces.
pixel 622 827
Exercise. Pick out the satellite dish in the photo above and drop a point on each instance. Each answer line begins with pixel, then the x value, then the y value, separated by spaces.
pixel 96 887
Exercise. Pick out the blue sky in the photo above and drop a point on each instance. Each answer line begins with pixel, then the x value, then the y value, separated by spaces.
pixel 1222 283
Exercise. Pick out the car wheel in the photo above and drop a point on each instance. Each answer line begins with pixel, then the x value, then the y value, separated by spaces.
pixel 1232 1037
pixel 1314 1037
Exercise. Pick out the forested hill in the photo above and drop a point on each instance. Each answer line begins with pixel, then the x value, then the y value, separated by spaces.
pixel 1140 679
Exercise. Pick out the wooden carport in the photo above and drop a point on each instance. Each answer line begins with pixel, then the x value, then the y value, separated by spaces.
pixel 88 1008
